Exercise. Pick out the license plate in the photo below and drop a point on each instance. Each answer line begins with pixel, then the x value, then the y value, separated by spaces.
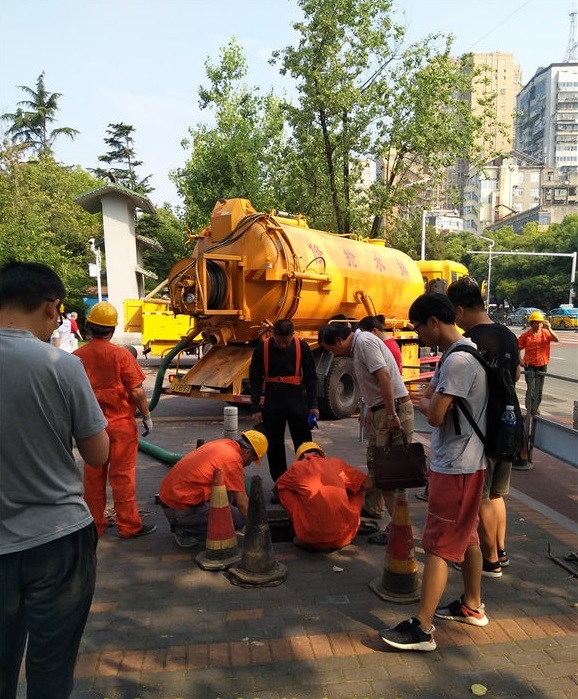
pixel 180 387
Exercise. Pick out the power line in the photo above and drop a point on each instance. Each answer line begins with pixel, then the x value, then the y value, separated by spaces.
pixel 503 21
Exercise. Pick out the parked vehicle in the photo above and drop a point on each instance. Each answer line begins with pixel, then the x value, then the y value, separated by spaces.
pixel 563 318
pixel 520 316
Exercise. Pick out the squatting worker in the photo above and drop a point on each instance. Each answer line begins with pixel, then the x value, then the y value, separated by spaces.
pixel 283 370
pixel 117 381
pixel 389 407
pixel 185 491
pixel 323 497
pixel 536 345
pixel 47 536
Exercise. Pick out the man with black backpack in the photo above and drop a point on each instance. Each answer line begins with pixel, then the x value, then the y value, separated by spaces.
pixel 456 478
pixel 499 347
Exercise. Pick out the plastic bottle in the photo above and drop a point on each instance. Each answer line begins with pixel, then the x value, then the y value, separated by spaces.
pixel 507 435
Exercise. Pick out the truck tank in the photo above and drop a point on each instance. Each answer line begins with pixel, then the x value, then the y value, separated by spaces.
pixel 250 268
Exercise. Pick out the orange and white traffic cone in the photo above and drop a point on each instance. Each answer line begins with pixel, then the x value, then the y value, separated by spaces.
pixel 399 582
pixel 258 566
pixel 222 548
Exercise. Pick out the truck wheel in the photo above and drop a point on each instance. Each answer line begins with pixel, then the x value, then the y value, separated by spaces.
pixel 341 393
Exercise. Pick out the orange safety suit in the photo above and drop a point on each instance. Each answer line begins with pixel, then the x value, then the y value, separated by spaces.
pixel 113 373
pixel 323 497
pixel 536 346
pixel 190 480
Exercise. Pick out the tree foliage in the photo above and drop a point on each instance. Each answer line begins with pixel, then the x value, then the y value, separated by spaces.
pixel 31 123
pixel 240 154
pixel 39 219
pixel 362 95
pixel 170 232
pixel 122 160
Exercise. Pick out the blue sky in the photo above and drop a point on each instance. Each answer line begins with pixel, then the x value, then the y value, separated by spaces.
pixel 142 61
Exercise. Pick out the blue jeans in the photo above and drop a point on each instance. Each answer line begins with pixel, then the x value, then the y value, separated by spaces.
pixel 194 520
pixel 46 595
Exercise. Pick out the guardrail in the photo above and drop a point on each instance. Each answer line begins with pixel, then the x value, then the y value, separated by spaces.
pixel 551 437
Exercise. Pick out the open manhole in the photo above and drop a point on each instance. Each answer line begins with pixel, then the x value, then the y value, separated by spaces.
pixel 280 526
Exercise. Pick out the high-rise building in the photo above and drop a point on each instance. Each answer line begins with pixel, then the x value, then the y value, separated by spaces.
pixel 547 125
pixel 503 83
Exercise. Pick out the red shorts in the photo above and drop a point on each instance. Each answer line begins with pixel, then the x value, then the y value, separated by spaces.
pixel 452 514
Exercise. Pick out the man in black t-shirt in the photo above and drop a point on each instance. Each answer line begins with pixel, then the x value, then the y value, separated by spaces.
pixel 499 345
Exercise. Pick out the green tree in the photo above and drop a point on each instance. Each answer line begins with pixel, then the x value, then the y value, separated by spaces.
pixel 241 154
pixel 121 159
pixel 361 96
pixel 31 122
pixel 170 232
pixel 39 219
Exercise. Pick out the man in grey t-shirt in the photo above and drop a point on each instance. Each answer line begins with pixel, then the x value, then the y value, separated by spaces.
pixel 456 479
pixel 389 407
pixel 47 536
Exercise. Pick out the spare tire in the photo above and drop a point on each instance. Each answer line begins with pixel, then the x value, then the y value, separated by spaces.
pixel 340 390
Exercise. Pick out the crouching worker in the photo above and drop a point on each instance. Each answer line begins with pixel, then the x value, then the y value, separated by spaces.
pixel 185 492
pixel 323 497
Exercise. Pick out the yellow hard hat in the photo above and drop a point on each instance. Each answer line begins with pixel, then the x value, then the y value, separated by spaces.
pixel 103 313
pixel 308 446
pixel 536 316
pixel 258 442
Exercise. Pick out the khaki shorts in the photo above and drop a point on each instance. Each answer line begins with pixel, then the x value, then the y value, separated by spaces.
pixel 497 478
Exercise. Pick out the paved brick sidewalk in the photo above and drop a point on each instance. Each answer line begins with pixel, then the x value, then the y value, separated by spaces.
pixel 162 628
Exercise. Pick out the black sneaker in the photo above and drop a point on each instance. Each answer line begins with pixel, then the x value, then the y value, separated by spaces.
pixel 143 531
pixel 503 558
pixel 185 540
pixel 457 611
pixel 409 636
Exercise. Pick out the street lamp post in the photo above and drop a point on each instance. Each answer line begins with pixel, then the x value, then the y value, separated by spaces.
pixel 423 217
pixel 492 243
pixel 437 212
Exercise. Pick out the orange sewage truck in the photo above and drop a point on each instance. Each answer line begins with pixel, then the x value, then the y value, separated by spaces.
pixel 249 269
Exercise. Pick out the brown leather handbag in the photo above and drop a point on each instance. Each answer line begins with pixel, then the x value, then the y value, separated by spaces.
pixel 400 465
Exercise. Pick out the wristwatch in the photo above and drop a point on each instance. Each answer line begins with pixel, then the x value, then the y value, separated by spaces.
pixel 391 417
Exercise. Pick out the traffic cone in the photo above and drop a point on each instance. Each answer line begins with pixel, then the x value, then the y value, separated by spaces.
pixel 222 548
pixel 399 582
pixel 258 567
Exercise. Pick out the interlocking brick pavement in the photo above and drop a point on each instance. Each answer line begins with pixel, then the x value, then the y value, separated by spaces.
pixel 162 628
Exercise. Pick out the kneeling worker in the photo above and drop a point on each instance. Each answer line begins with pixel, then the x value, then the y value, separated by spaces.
pixel 185 492
pixel 323 497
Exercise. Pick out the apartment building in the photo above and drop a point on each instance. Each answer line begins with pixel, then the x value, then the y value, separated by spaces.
pixel 503 83
pixel 547 123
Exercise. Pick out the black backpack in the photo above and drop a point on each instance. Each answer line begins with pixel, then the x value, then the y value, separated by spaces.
pixel 501 392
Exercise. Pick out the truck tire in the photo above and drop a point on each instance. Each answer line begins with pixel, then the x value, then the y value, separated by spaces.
pixel 340 390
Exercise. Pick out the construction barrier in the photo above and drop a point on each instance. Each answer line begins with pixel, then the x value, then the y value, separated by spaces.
pixel 399 582
pixel 258 566
pixel 222 548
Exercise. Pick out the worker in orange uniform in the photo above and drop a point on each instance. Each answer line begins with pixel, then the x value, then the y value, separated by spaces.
pixel 117 381
pixel 536 345
pixel 185 493
pixel 323 497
